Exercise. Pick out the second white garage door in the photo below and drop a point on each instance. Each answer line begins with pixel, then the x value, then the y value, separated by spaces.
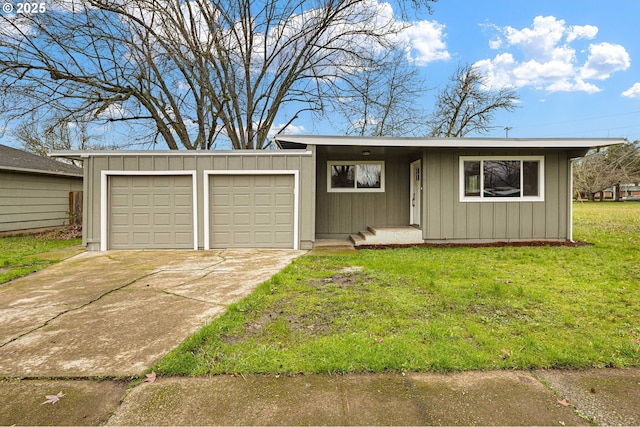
pixel 254 211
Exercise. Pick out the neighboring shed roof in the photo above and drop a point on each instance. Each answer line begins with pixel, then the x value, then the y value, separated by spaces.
pixel 21 161
pixel 296 141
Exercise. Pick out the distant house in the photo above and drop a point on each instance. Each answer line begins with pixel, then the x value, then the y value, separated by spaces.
pixel 372 190
pixel 35 191
pixel 630 192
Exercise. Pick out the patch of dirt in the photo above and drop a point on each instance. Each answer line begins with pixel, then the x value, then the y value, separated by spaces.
pixel 63 233
pixel 348 276
pixel 317 323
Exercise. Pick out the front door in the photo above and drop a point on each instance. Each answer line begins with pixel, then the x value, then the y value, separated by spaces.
pixel 415 190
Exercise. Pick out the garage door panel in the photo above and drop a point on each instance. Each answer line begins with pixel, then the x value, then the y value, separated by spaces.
pixel 262 200
pixel 283 218
pixel 184 219
pixel 260 208
pixel 182 200
pixel 150 212
pixel 119 238
pixel 242 200
pixel 221 219
pixel 283 237
pixel 119 219
pixel 120 200
pixel 184 238
pixel 162 219
pixel 141 238
pixel 160 182
pixel 283 199
pixel 161 201
pixel 262 218
pixel 140 219
pixel 139 200
pixel 222 238
pixel 241 237
pixel 262 237
pixel 162 238
pixel 282 181
pixel 240 219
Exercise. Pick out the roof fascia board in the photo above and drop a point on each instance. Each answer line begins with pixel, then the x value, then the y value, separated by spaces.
pixel 79 154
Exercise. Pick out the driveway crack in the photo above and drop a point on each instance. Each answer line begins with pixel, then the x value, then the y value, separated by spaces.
pixel 191 298
pixel 70 310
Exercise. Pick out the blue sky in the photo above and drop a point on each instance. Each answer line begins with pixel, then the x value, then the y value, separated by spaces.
pixel 569 61
pixel 574 64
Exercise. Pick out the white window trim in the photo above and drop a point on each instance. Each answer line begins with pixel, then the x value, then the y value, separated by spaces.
pixel 355 189
pixel 296 197
pixel 104 190
pixel 482 198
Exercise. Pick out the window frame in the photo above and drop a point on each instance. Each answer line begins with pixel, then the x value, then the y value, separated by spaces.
pixel 355 188
pixel 482 198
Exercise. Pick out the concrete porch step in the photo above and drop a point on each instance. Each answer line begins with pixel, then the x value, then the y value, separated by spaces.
pixel 387 236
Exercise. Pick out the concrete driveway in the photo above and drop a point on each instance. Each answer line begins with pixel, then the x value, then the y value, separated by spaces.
pixel 116 313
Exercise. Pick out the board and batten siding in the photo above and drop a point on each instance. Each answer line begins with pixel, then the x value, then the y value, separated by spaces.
pixel 30 200
pixel 199 162
pixel 340 214
pixel 445 217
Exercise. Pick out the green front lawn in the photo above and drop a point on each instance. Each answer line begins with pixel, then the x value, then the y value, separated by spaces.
pixel 439 309
pixel 19 255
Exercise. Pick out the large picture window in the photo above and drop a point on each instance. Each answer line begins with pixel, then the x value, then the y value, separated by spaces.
pixel 356 176
pixel 501 179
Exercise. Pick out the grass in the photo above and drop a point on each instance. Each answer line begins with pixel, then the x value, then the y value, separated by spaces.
pixel 439 309
pixel 19 254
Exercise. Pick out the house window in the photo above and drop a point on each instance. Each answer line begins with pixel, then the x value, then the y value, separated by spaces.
pixel 501 179
pixel 355 176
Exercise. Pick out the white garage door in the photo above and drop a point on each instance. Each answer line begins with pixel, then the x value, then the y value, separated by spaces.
pixel 254 211
pixel 150 212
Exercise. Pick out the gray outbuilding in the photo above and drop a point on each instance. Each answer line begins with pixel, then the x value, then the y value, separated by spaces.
pixel 439 190
pixel 36 192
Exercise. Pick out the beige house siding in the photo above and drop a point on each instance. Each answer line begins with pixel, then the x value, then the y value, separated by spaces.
pixel 341 214
pixel 31 200
pixel 300 162
pixel 446 218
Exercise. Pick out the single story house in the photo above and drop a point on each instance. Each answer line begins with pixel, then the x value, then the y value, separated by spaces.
pixel 441 190
pixel 35 191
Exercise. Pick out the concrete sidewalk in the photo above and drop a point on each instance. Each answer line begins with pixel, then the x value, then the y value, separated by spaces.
pixel 548 397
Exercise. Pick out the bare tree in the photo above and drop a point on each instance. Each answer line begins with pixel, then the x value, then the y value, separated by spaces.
pixel 382 99
pixel 467 104
pixel 607 168
pixel 43 135
pixel 188 73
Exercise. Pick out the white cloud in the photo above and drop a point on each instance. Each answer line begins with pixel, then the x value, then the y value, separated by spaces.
pixel 633 91
pixel 16 26
pixel 572 86
pixel 542 56
pixel 111 111
pixel 424 42
pixel 605 59
pixel 539 41
pixel 495 43
pixel 576 32
pixel 289 130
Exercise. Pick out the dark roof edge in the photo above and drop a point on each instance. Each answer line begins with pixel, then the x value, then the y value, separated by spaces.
pixel 41 171
pixel 566 143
